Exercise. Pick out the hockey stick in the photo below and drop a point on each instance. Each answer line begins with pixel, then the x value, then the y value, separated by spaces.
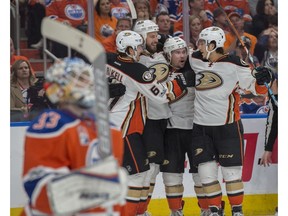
pixel 246 49
pixel 95 53
pixel 132 9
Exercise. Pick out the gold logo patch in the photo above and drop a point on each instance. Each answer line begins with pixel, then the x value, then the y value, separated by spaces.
pixel 207 80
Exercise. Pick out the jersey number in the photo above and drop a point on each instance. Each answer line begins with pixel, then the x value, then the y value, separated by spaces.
pixel 47 120
pixel 155 90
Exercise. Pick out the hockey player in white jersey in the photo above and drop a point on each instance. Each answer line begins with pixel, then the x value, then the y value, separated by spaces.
pixel 157 114
pixel 217 130
pixel 129 111
pixel 179 129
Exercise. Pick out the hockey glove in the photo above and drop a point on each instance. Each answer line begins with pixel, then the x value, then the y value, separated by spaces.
pixel 185 79
pixel 262 75
pixel 116 90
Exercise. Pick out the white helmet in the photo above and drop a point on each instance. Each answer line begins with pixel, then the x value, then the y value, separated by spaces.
pixel 213 33
pixel 143 27
pixel 172 44
pixel 71 80
pixel 128 38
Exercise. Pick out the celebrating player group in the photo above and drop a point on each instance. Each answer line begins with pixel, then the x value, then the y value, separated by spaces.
pixel 163 105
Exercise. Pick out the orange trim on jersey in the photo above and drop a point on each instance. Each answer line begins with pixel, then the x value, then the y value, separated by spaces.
pixel 125 59
pixel 174 89
pixel 233 111
pixel 135 118
pixel 132 155
pixel 261 89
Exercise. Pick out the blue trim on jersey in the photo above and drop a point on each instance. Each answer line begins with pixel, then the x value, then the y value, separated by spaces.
pixel 30 186
pixel 250 116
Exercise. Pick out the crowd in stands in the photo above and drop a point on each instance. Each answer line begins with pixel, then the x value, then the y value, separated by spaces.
pixel 255 21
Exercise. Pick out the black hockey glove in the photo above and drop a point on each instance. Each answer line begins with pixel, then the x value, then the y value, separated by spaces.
pixel 185 79
pixel 116 89
pixel 262 75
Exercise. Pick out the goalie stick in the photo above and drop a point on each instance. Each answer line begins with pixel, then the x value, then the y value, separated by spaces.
pixel 246 49
pixel 95 53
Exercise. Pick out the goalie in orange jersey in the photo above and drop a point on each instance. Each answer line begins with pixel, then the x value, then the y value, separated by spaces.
pixel 63 169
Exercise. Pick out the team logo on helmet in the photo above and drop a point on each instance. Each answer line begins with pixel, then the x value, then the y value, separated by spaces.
pixel 215 29
pixel 140 22
pixel 161 71
pixel 126 34
pixel 208 80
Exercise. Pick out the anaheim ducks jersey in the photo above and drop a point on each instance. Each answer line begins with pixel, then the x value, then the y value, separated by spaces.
pixel 56 143
pixel 158 65
pixel 182 108
pixel 75 11
pixel 217 100
pixel 139 82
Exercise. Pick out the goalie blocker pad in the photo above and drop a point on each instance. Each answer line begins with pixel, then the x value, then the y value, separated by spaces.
pixel 102 185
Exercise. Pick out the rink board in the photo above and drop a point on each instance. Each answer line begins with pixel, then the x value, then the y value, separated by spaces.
pixel 261 192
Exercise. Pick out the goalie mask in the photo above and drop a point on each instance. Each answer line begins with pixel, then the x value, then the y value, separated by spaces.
pixel 143 27
pixel 71 80
pixel 172 44
pixel 127 39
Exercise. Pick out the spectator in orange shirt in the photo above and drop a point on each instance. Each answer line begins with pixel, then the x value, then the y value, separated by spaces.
pixel 231 39
pixel 109 43
pixel 104 22
pixel 119 9
pixel 72 12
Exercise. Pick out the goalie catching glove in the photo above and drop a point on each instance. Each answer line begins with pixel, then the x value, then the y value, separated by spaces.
pixel 262 75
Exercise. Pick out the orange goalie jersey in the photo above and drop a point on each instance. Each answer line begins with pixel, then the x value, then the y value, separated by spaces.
pixel 56 143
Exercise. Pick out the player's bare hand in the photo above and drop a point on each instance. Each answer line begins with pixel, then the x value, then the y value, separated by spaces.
pixel 266 159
